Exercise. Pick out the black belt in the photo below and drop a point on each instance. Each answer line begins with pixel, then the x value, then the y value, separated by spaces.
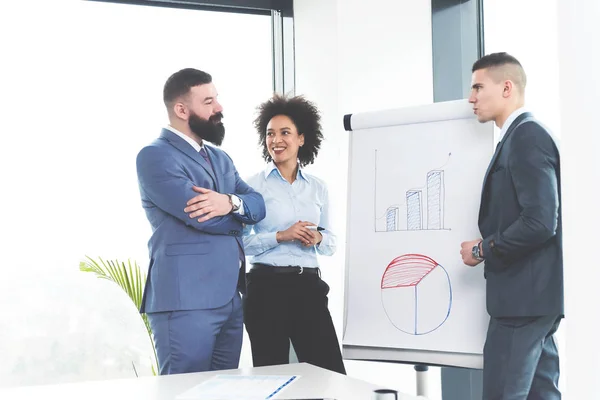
pixel 291 270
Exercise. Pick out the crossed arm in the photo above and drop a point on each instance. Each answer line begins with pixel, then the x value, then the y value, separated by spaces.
pixel 209 204
pixel 167 185
pixel 256 243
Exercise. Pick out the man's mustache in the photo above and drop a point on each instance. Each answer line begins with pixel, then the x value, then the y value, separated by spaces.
pixel 215 119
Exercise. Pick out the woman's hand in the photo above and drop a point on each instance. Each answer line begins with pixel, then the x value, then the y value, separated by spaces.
pixel 316 239
pixel 300 232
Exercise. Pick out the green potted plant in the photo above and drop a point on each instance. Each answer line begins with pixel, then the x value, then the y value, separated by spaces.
pixel 130 278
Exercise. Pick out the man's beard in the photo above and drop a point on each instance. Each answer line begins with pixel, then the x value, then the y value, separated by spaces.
pixel 211 130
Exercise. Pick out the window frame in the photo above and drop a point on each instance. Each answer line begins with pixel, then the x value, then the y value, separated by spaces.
pixel 282 29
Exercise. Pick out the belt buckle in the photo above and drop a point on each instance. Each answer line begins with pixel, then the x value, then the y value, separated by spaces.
pixel 301 271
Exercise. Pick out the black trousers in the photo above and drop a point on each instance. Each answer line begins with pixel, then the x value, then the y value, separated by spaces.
pixel 283 307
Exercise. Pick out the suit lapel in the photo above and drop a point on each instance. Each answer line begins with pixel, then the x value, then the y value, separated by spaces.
pixel 510 130
pixel 188 150
pixel 216 167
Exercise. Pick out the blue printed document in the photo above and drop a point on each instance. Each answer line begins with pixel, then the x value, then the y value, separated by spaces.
pixel 239 387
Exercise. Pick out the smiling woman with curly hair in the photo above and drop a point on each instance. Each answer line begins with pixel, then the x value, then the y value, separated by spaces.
pixel 286 298
pixel 303 114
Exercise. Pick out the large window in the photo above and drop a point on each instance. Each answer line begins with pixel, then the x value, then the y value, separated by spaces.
pixel 81 95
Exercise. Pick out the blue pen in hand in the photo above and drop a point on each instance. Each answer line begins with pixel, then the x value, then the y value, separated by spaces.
pixel 315 228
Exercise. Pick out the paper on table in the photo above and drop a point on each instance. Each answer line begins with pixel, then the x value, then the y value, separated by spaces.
pixel 239 387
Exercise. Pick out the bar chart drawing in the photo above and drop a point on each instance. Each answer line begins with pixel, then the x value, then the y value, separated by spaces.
pixel 419 209
pixel 435 200
pixel 414 210
pixel 391 219
pixel 416 294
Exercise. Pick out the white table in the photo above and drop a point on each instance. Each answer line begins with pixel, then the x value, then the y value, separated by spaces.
pixel 314 383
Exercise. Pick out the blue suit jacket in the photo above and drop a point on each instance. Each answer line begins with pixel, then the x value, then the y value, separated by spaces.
pixel 193 265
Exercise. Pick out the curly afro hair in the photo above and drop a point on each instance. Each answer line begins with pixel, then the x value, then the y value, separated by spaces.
pixel 303 113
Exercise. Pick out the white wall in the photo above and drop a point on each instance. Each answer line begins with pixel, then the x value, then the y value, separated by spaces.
pixel 508 27
pixel 354 56
pixel 579 51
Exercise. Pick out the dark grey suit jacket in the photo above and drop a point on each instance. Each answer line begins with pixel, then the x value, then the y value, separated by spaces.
pixel 520 221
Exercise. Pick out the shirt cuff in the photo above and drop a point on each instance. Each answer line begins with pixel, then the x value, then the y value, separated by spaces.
pixel 323 238
pixel 488 248
pixel 269 240
pixel 241 210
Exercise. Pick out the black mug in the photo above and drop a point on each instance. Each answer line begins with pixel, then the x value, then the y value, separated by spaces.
pixel 385 394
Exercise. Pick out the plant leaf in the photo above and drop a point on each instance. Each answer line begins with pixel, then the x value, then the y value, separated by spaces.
pixel 130 279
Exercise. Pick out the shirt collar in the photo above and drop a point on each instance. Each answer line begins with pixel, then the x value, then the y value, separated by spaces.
pixel 272 167
pixel 511 118
pixel 185 137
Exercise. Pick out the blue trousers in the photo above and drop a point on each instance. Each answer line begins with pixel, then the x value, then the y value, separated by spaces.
pixel 520 359
pixel 198 340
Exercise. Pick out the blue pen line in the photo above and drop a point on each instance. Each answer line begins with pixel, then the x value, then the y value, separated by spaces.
pixel 281 387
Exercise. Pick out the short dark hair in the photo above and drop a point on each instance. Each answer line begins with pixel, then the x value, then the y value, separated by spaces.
pixel 303 113
pixel 180 83
pixel 498 60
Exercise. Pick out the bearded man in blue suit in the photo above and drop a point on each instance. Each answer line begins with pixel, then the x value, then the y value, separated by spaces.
pixel 196 266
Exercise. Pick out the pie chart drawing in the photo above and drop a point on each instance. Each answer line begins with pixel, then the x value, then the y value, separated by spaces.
pixel 416 294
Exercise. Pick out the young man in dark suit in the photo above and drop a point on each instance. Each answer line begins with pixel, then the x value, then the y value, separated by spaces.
pixel 521 227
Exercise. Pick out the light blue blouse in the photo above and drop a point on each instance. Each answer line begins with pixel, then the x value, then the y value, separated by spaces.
pixel 306 199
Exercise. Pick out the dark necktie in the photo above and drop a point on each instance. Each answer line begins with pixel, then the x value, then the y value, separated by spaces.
pixel 204 155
